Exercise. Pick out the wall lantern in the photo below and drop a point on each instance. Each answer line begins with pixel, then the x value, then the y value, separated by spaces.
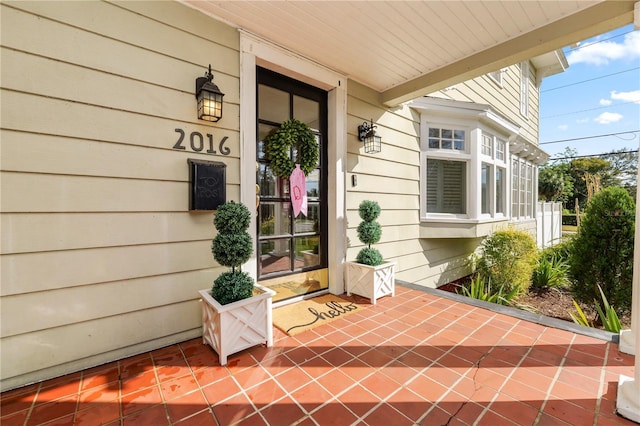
pixel 367 134
pixel 209 98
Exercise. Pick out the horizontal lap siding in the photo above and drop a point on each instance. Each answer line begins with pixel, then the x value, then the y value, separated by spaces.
pixel 391 178
pixel 505 99
pixel 98 249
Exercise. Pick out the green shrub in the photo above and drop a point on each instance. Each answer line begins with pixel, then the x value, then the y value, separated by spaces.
pixel 481 290
pixel 607 314
pixel 602 251
pixel 561 252
pixel 508 259
pixel 550 271
pixel 369 232
pixel 232 247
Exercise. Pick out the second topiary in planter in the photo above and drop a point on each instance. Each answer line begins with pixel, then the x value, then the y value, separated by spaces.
pixel 232 247
pixel 369 276
pixel 369 232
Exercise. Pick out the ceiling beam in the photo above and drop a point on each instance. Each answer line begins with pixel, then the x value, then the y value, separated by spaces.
pixel 595 20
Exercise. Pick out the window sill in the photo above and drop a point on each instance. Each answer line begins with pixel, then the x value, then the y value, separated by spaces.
pixel 459 228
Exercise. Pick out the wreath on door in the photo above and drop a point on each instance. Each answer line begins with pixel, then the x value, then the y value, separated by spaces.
pixel 292 133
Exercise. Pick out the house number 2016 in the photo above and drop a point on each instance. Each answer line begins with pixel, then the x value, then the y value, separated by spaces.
pixel 197 143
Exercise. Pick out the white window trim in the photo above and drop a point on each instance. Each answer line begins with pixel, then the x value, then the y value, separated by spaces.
pixel 525 76
pixel 497 77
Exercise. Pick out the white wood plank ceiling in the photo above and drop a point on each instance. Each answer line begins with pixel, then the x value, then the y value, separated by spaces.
pixel 404 49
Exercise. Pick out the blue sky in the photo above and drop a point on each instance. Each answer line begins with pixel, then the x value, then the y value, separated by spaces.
pixel 598 94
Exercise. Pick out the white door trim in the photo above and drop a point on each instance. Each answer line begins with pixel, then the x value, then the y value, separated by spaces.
pixel 253 52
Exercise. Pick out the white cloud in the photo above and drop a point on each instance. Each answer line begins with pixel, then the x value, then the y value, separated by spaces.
pixel 626 96
pixel 605 102
pixel 582 120
pixel 600 53
pixel 608 117
pixel 563 127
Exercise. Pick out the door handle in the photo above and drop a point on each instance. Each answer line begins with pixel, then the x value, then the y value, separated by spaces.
pixel 257 196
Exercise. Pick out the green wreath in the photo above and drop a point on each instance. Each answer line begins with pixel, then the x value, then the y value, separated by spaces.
pixel 292 133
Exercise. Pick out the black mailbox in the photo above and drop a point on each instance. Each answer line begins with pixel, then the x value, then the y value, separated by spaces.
pixel 207 184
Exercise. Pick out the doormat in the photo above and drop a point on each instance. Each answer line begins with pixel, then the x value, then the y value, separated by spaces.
pixel 289 289
pixel 307 314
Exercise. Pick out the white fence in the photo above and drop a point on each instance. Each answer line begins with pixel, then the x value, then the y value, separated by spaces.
pixel 549 224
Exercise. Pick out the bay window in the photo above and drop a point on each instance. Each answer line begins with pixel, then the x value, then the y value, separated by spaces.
pixel 475 168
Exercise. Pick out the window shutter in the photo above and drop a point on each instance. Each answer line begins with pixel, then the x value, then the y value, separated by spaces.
pixel 433 172
pixel 453 184
pixel 446 186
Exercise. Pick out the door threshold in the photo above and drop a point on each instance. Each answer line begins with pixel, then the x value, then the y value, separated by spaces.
pixel 295 299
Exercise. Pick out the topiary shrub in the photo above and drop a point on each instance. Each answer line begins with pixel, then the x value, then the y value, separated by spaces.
pixel 232 247
pixel 369 232
pixel 602 251
pixel 508 260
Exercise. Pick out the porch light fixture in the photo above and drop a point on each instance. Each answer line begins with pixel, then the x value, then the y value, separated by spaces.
pixel 367 134
pixel 209 98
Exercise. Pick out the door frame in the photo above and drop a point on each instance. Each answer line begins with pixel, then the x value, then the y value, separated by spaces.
pixel 253 52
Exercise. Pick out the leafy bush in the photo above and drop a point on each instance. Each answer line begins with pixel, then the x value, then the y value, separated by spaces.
pixel 550 271
pixel 561 251
pixel 369 232
pixel 508 260
pixel 232 247
pixel 602 251
pixel 481 290
pixel 608 315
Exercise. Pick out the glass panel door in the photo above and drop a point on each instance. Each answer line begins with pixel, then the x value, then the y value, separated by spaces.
pixel 291 250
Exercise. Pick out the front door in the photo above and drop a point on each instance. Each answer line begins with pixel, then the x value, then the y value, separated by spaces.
pixel 292 251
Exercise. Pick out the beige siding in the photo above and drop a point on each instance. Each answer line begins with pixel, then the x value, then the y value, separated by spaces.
pixel 100 256
pixel 505 99
pixel 392 179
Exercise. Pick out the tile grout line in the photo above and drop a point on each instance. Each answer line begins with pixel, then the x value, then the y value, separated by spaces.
pixel 603 375
pixel 554 381
pixel 162 399
pixel 33 404
pixel 75 411
pixel 120 418
pixel 204 397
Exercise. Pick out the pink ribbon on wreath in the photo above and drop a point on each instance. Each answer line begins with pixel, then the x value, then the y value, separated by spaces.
pixel 298 184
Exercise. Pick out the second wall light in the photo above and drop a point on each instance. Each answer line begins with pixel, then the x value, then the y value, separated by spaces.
pixel 367 134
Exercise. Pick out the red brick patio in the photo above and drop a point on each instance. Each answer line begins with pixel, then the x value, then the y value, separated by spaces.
pixel 416 358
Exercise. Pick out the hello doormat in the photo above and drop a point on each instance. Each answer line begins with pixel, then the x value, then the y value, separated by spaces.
pixel 306 314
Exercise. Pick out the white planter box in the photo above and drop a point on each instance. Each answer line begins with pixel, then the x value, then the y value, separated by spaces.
pixel 371 282
pixel 239 325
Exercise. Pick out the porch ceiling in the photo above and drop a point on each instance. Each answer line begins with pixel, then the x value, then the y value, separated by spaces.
pixel 406 49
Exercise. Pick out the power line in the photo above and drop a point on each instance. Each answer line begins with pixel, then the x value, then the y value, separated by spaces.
pixel 594 155
pixel 591 79
pixel 590 137
pixel 590 109
pixel 599 41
